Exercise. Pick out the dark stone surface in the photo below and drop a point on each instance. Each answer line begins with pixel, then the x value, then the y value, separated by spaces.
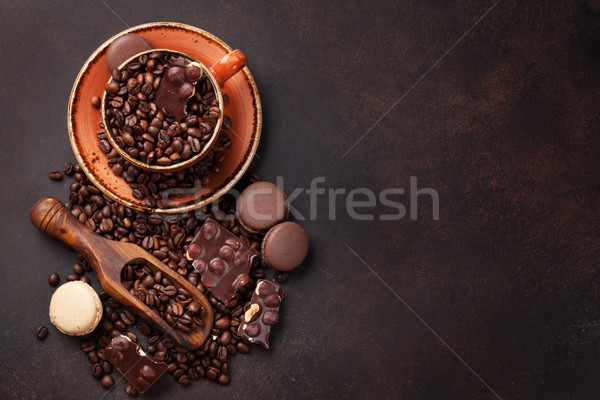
pixel 506 128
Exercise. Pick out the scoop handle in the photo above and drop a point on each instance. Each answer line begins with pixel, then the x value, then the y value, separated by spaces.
pixel 50 216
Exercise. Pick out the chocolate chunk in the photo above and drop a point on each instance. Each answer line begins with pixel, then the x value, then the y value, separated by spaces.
pixel 177 86
pixel 132 362
pixel 262 311
pixel 222 260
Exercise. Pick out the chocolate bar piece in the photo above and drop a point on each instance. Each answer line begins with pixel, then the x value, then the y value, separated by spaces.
pixel 262 311
pixel 132 362
pixel 222 260
pixel 177 86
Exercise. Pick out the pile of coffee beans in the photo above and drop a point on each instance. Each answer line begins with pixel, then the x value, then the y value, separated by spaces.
pixel 173 304
pixel 151 187
pixel 147 133
pixel 167 237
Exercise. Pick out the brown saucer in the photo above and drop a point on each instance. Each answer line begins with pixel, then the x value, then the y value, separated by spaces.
pixel 243 107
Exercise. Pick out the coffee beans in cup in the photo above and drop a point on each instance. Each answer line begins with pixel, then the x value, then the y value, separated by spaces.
pixel 151 135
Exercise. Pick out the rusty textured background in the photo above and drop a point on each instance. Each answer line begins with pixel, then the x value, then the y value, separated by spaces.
pixel 506 128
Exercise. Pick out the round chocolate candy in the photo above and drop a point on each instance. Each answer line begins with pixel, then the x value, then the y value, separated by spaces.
pixel 124 47
pixel 261 206
pixel 285 246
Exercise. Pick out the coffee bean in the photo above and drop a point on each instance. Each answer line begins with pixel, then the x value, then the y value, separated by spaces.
pixel 41 332
pixel 106 225
pixel 104 341
pixel 106 367
pixel 96 102
pixel 222 323
pixel 119 324
pixel 78 268
pixel 160 355
pixel 226 122
pixel 55 175
pixel 138 194
pixel 85 279
pixel 97 370
pixel 178 309
pixel 282 276
pixel 68 169
pixel 117 102
pixel 223 380
pixel 212 373
pixel 178 373
pixel 193 374
pixel 72 277
pixel 144 328
pixel 107 381
pixel 184 380
pixel 53 279
pixel 170 290
pixel 88 346
pixel 127 317
pixel 243 348
pixel 112 87
pixel 222 353
pixel 225 338
pixel 130 390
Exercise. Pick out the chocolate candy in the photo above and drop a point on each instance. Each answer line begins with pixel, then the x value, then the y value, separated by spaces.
pixel 222 260
pixel 132 362
pixel 261 206
pixel 124 47
pixel 285 246
pixel 261 313
pixel 177 86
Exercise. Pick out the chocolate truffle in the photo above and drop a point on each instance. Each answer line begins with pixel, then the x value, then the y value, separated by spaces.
pixel 124 47
pixel 285 246
pixel 75 308
pixel 261 206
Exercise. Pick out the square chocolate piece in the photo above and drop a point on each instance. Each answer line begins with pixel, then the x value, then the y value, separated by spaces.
pixel 222 259
pixel 133 363
pixel 261 312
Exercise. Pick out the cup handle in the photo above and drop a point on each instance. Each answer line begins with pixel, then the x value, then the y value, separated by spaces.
pixel 228 66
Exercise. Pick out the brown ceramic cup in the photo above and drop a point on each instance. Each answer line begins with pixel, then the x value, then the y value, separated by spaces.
pixel 218 74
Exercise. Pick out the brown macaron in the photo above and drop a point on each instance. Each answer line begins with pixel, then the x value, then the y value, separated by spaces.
pixel 285 246
pixel 124 47
pixel 261 206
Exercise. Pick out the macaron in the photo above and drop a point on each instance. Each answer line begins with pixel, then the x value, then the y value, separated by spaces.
pixel 284 247
pixel 75 308
pixel 124 47
pixel 261 206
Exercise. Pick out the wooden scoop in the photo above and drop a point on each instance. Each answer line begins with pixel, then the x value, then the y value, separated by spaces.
pixel 108 258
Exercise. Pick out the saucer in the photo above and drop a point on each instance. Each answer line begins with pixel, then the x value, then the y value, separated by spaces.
pixel 243 108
